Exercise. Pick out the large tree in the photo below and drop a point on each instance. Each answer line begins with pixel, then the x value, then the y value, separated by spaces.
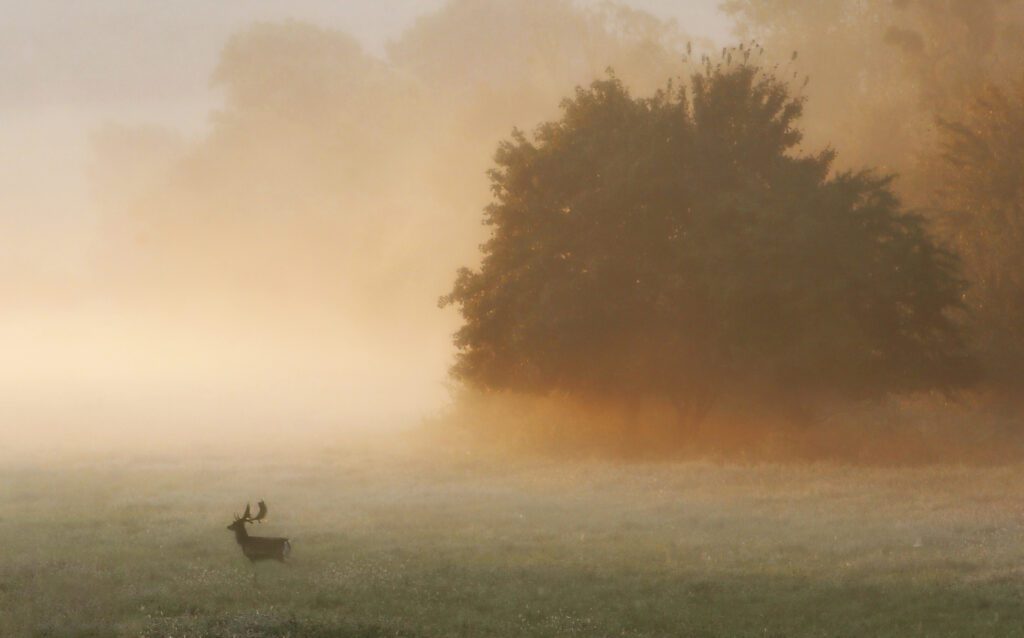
pixel 680 247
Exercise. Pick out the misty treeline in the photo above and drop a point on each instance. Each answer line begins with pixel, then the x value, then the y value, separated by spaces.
pixel 291 251
pixel 828 215
pixel 348 179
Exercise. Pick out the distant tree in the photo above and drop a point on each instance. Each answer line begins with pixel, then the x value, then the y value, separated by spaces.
pixel 887 68
pixel 980 178
pixel 680 247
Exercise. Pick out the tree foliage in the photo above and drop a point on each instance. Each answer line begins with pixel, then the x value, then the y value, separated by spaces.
pixel 884 69
pixel 980 179
pixel 679 246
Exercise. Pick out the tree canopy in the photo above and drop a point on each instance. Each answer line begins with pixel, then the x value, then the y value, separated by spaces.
pixel 682 246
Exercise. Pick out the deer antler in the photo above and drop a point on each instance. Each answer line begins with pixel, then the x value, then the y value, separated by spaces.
pixel 262 513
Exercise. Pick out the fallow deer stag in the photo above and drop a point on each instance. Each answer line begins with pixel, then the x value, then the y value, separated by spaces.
pixel 258 547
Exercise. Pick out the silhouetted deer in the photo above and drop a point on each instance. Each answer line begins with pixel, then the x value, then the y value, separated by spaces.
pixel 258 547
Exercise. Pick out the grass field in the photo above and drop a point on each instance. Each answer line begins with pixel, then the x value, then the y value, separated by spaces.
pixel 406 544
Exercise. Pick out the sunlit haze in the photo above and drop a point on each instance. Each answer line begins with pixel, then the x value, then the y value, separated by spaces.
pixel 327 320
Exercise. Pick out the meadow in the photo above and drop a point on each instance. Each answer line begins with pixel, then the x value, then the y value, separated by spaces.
pixel 401 542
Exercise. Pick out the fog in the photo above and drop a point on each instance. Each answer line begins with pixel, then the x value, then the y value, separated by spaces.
pixel 233 221
pixel 228 221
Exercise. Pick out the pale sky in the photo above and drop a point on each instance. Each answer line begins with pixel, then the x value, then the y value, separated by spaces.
pixel 109 52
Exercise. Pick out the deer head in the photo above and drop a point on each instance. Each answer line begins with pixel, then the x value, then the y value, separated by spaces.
pixel 240 521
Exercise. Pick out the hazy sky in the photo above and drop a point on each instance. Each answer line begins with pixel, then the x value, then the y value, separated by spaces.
pixel 149 53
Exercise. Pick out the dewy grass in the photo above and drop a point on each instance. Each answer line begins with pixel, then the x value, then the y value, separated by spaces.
pixel 391 544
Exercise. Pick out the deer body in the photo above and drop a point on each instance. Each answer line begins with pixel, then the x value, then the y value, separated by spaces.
pixel 259 547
